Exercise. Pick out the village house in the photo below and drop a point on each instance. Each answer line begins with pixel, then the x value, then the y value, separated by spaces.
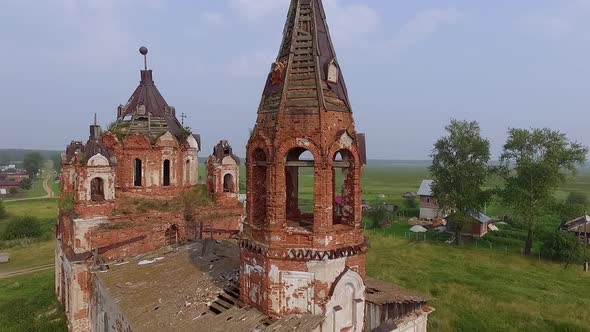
pixel 580 227
pixel 429 209
pixel 478 225
pixel 135 253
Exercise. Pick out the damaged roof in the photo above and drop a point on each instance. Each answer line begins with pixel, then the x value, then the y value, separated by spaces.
pixel 175 289
pixel 380 292
pixel 306 67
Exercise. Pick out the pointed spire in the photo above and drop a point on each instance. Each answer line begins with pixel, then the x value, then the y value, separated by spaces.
pixel 306 74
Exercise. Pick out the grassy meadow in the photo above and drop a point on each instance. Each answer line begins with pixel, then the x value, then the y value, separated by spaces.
pixel 28 302
pixel 476 290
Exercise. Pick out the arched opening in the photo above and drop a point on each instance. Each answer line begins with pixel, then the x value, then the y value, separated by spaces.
pixel 299 186
pixel 97 190
pixel 137 173
pixel 171 235
pixel 187 172
pixel 166 167
pixel 347 304
pixel 228 183
pixel 344 188
pixel 259 186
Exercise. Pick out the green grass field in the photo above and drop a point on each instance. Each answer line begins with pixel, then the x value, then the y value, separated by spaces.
pixel 475 290
pixel 36 190
pixel 41 208
pixel 28 303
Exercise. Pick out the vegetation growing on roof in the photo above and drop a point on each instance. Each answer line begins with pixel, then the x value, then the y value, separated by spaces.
pixel 66 203
pixel 118 129
pixel 184 134
pixel 190 199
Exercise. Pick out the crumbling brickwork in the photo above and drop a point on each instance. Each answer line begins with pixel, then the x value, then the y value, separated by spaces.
pixel 293 256
pixel 128 191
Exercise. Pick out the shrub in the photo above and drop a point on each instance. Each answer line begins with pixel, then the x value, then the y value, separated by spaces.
pixel 66 203
pixel 410 213
pixel 411 203
pixel 561 246
pixel 377 218
pixel 577 198
pixel 3 213
pixel 22 227
pixel 13 191
pixel 26 184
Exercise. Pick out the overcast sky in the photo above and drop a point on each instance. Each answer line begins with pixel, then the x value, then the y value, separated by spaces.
pixel 410 66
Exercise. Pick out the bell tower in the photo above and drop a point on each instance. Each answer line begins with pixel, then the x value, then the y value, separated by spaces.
pixel 302 247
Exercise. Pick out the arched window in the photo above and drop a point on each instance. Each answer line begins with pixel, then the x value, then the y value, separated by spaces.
pixel 187 172
pixel 97 190
pixel 137 173
pixel 228 183
pixel 166 167
pixel 259 186
pixel 299 185
pixel 344 188
pixel 171 235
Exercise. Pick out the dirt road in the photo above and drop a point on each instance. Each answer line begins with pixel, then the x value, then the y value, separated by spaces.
pixel 46 186
pixel 26 271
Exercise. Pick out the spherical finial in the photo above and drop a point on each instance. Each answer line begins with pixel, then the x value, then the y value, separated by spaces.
pixel 143 50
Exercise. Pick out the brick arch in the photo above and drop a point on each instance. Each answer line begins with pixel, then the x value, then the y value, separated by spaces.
pixel 337 147
pixel 287 186
pixel 257 181
pixel 293 143
pixel 345 200
pixel 258 142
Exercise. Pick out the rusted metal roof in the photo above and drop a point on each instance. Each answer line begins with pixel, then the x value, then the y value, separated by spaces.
pixel 146 105
pixel 380 292
pixel 306 75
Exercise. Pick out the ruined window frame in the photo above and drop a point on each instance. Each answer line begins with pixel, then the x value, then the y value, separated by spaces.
pixel 137 172
pixel 166 172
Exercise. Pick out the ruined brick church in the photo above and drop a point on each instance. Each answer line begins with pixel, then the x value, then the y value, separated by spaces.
pixel 146 243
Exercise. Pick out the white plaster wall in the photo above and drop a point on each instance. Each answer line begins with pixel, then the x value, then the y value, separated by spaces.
pixel 428 213
pixel 98 160
pixel 81 228
pixel 108 177
pixel 419 324
pixel 193 155
pixel 298 291
pixel 77 300
pixel 347 306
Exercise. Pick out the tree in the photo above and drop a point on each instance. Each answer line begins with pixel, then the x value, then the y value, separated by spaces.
pixel 561 246
pixel 56 160
pixel 26 184
pixel 535 162
pixel 460 169
pixel 32 163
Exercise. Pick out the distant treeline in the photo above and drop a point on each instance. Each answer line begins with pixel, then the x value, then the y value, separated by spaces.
pixel 18 155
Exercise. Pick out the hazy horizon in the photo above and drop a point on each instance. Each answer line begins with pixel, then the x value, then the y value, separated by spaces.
pixel 409 66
